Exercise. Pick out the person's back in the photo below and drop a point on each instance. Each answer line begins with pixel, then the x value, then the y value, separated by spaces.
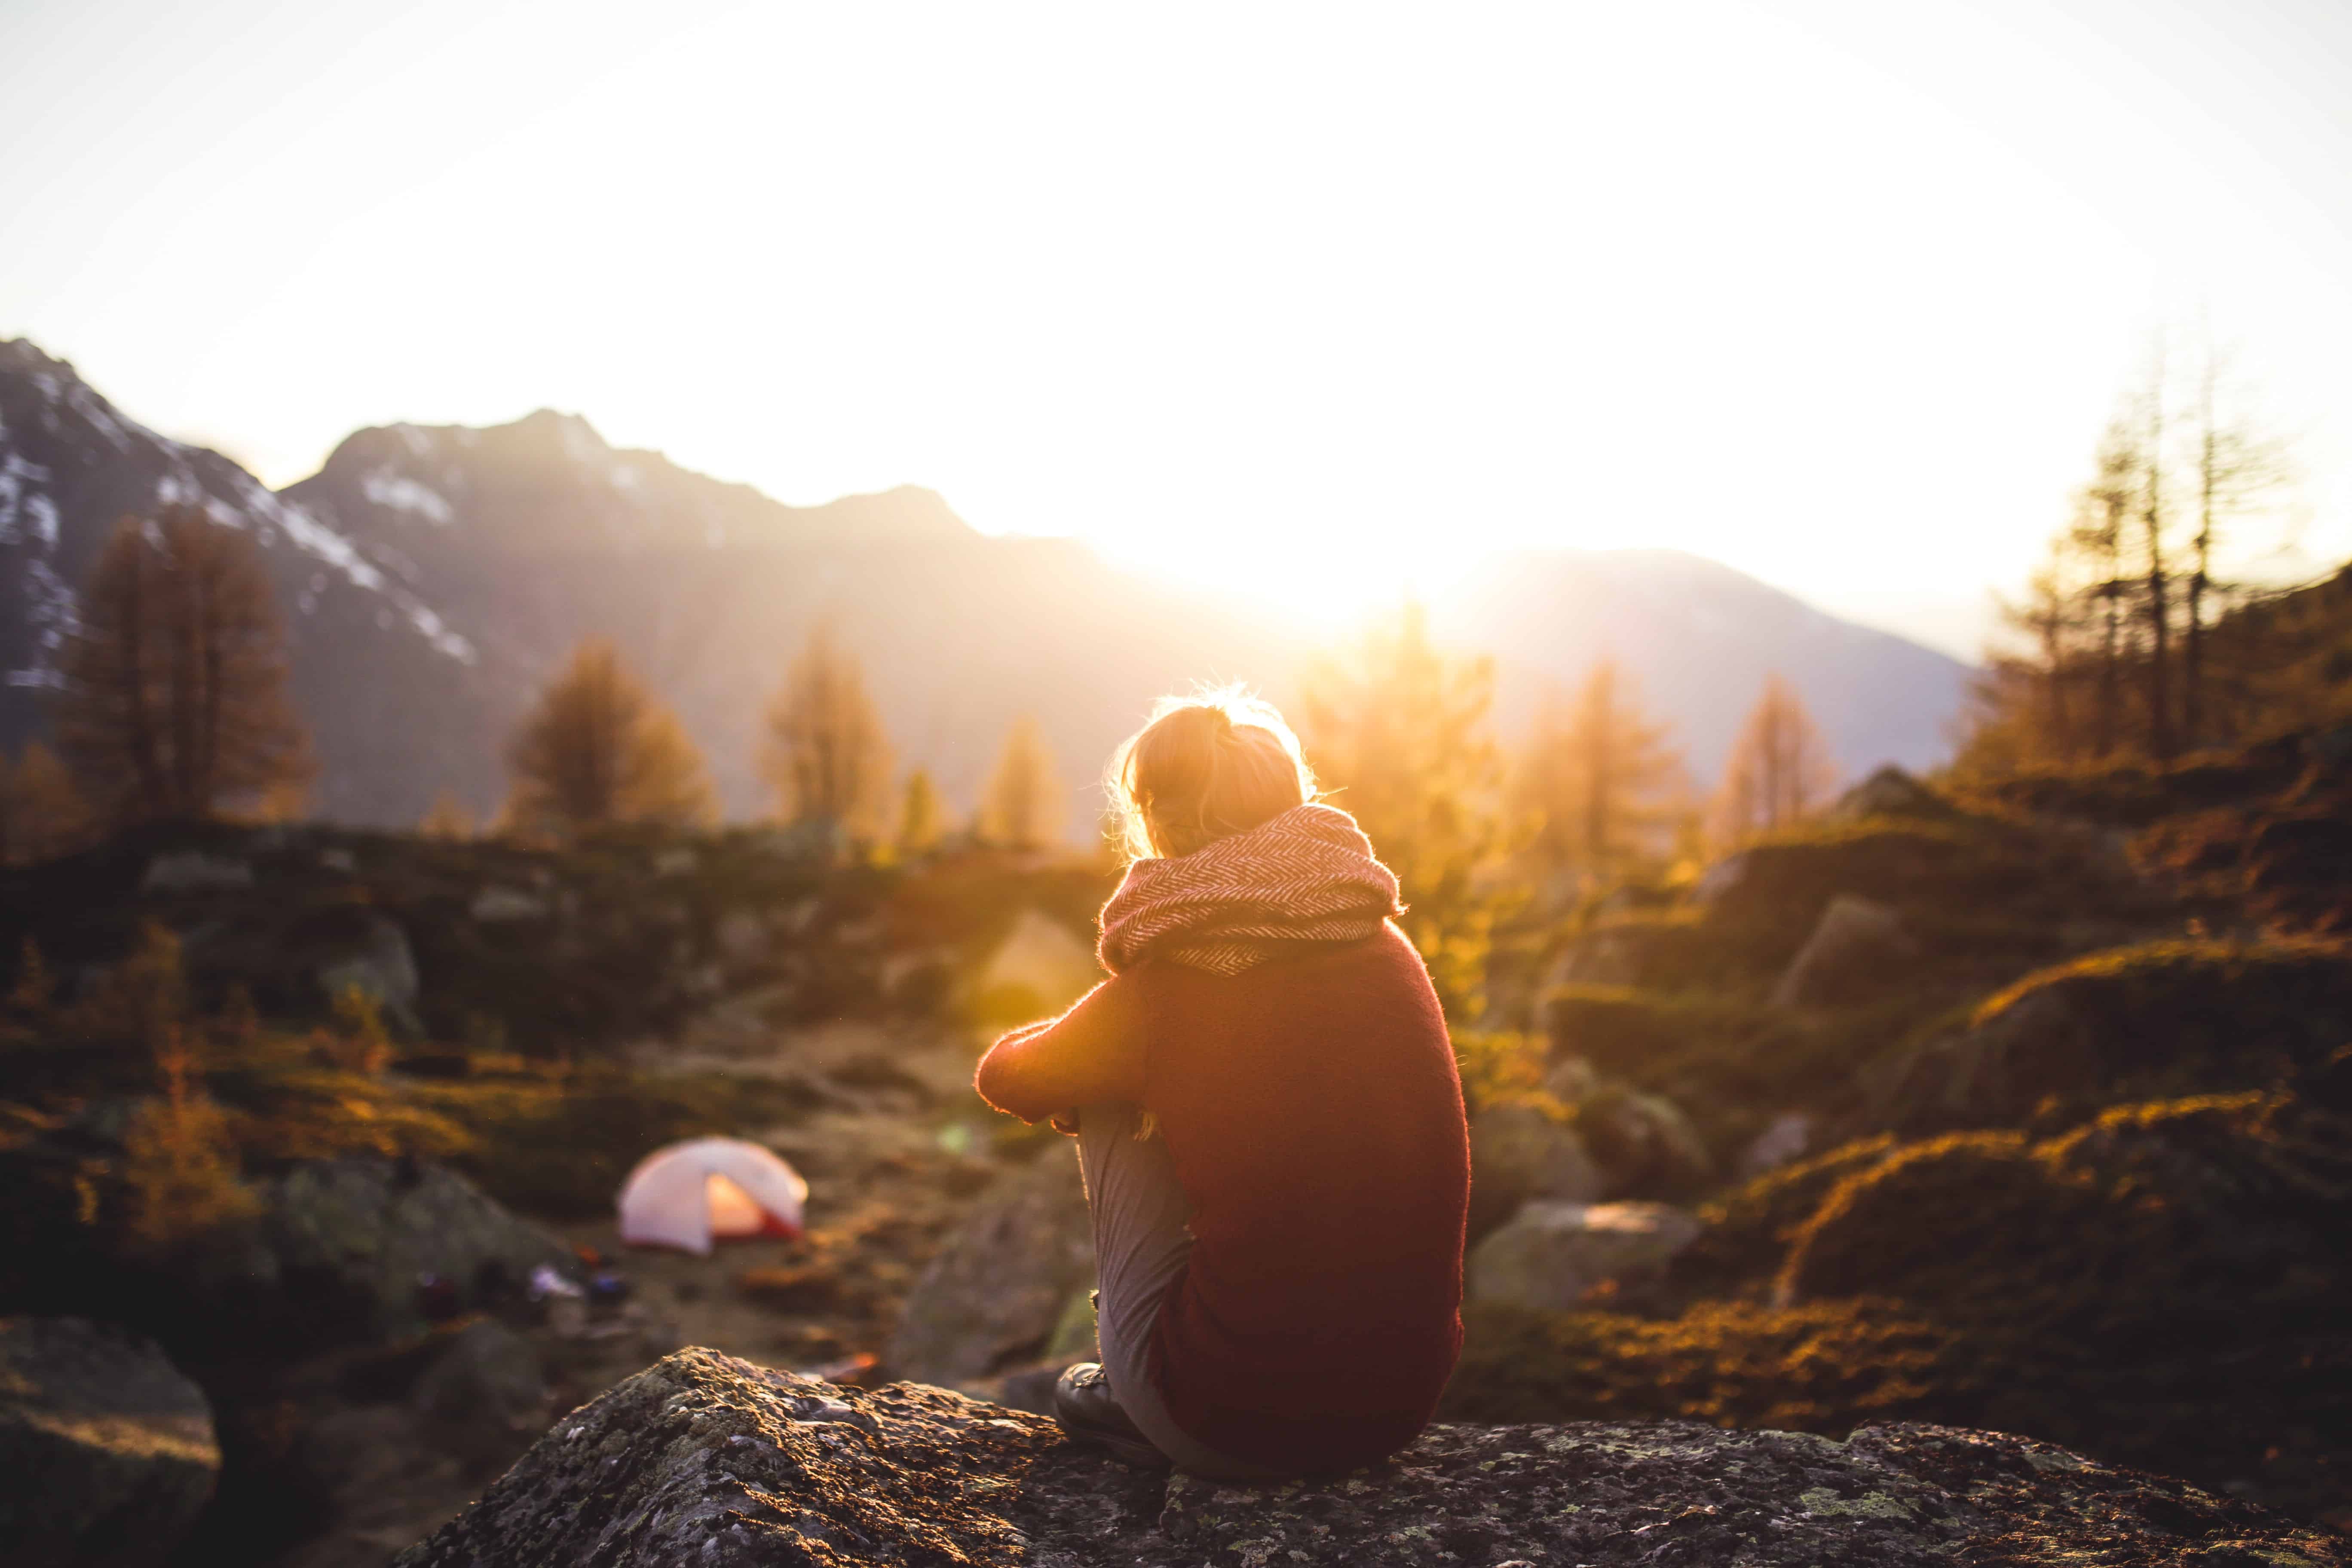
pixel 1280 1248
pixel 1313 1112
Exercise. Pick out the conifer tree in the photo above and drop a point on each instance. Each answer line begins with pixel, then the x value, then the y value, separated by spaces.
pixel 2114 653
pixel 825 751
pixel 448 819
pixel 179 1161
pixel 922 821
pixel 173 702
pixel 1596 779
pixel 1779 772
pixel 1022 808
pixel 41 813
pixel 1397 731
pixel 600 750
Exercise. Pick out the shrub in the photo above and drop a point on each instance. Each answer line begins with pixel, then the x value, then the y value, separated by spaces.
pixel 281 1115
pixel 1749 1231
pixel 2154 1021
pixel 2219 1216
pixel 561 1145
pixel 1501 1068
pixel 1817 1368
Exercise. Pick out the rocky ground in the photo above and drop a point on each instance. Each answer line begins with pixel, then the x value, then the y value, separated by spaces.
pixel 709 1460
pixel 2025 1115
pixel 886 1185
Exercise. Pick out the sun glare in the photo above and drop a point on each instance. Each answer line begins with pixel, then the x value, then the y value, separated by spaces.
pixel 1343 296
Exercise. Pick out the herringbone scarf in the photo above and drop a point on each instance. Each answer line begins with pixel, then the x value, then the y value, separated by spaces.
pixel 1308 875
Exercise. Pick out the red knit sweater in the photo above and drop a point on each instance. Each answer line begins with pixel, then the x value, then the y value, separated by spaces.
pixel 1314 1115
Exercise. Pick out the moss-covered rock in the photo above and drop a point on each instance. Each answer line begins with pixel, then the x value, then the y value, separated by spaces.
pixel 107 1451
pixel 1745 1235
pixel 2149 1022
pixel 2162 1286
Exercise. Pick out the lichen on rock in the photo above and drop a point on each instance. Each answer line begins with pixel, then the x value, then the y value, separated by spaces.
pixel 706 1459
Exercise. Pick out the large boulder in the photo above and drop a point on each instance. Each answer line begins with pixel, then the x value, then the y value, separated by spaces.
pixel 2141 1023
pixel 705 1459
pixel 372 957
pixel 1853 946
pixel 1040 968
pixel 360 1248
pixel 2217 1223
pixel 487 1384
pixel 1644 1143
pixel 1521 1152
pixel 1551 1254
pixel 995 1294
pixel 107 1454
pixel 1891 792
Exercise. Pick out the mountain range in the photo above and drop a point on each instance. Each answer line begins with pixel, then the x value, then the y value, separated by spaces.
pixel 432 578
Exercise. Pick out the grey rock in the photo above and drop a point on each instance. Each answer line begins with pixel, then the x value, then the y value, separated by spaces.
pixel 1608 956
pixel 742 937
pixel 342 1245
pixel 1785 1138
pixel 996 1292
pixel 1644 1143
pixel 1550 1254
pixel 488 1380
pixel 1517 1152
pixel 1891 792
pixel 107 1453
pixel 379 963
pixel 1853 942
pixel 494 905
pixel 193 871
pixel 1721 878
pixel 704 1459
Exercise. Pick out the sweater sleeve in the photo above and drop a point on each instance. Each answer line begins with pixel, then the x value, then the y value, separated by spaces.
pixel 1091 1053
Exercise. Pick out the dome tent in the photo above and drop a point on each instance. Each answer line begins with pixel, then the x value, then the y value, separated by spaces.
pixel 688 1195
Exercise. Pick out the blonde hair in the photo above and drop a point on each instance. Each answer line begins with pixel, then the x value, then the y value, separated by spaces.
pixel 1217 762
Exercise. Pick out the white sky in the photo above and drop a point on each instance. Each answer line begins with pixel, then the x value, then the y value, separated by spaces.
pixel 1323 298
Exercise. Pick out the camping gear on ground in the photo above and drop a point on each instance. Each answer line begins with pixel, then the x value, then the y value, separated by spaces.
pixel 688 1195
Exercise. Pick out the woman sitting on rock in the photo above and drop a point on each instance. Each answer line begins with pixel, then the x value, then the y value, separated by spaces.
pixel 1269 1119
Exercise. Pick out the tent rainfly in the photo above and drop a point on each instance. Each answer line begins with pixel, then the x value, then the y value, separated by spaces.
pixel 686 1195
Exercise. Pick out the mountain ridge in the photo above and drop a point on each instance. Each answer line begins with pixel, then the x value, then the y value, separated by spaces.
pixel 433 577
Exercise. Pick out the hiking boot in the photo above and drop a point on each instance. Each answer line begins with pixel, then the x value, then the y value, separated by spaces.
pixel 1083 1406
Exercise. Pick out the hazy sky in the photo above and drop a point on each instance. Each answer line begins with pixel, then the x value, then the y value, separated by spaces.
pixel 1319 298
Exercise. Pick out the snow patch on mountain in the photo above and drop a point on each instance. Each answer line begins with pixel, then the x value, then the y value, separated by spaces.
pixel 402 493
pixel 16 476
pixel 51 609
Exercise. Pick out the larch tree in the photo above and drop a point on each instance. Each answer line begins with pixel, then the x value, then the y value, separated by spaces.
pixel 2154 516
pixel 41 814
pixel 1596 779
pixel 1022 807
pixel 2114 654
pixel 174 701
pixel 1398 733
pixel 600 750
pixel 2236 470
pixel 825 750
pixel 922 817
pixel 448 820
pixel 1780 771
